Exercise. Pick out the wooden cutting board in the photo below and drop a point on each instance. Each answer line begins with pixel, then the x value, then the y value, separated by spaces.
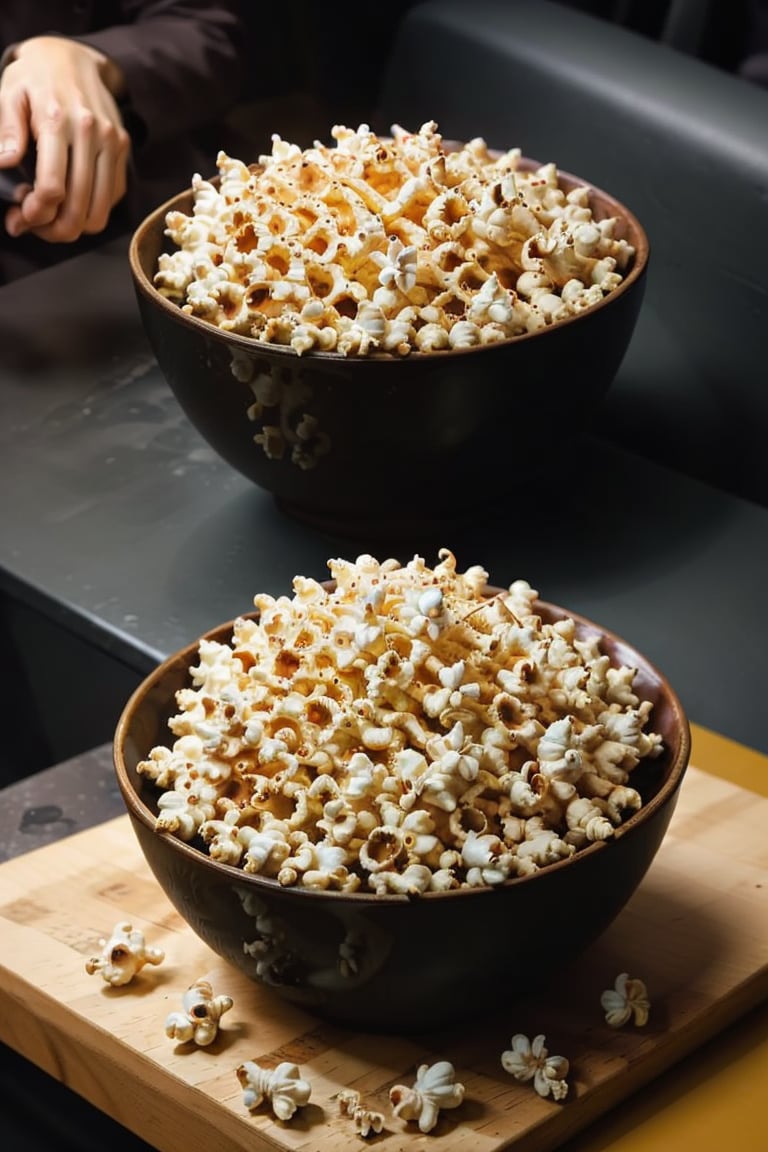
pixel 696 933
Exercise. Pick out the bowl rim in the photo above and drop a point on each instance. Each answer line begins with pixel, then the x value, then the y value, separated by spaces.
pixel 145 286
pixel 141 813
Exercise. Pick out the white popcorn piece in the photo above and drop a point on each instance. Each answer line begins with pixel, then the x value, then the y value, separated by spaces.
pixel 367 1121
pixel 123 955
pixel 411 881
pixel 434 1089
pixel 184 810
pixel 283 1086
pixel 400 732
pixel 200 1016
pixel 387 245
pixel 627 1000
pixel 529 1061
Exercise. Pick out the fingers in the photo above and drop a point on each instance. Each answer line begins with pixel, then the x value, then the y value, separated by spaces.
pixel 82 148
pixel 14 132
pixel 57 208
pixel 108 187
pixel 43 202
pixel 79 177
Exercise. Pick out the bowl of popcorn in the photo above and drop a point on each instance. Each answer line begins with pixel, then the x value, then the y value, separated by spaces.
pixel 396 795
pixel 375 331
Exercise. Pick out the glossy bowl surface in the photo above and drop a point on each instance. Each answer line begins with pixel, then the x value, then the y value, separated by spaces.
pixel 457 425
pixel 391 962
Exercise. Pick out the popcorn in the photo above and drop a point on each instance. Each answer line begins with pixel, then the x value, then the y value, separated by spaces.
pixel 387 245
pixel 400 732
pixel 123 955
pixel 627 1000
pixel 434 1089
pixel 529 1061
pixel 200 1017
pixel 367 1122
pixel 284 1087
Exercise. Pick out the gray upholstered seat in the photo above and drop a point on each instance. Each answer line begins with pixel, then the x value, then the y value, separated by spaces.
pixel 684 144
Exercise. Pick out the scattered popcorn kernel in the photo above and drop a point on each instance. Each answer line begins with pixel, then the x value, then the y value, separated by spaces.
pixel 199 1019
pixel 283 1087
pixel 435 1088
pixel 627 1000
pixel 528 1060
pixel 123 955
pixel 389 245
pixel 366 1121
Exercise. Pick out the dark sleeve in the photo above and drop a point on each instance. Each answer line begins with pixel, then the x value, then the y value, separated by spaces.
pixel 184 61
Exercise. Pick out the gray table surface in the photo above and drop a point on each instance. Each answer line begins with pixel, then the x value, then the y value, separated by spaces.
pixel 119 522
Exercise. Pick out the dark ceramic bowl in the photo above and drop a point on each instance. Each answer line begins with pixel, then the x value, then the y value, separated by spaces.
pixel 399 441
pixel 420 962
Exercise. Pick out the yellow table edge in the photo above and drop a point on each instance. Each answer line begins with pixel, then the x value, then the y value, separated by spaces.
pixel 737 763
pixel 715 1099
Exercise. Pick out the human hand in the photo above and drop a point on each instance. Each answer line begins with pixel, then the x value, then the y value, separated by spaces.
pixel 61 96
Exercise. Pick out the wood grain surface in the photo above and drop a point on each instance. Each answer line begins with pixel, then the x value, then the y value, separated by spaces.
pixel 696 932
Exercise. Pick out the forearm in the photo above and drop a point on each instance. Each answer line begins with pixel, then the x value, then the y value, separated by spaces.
pixel 180 64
